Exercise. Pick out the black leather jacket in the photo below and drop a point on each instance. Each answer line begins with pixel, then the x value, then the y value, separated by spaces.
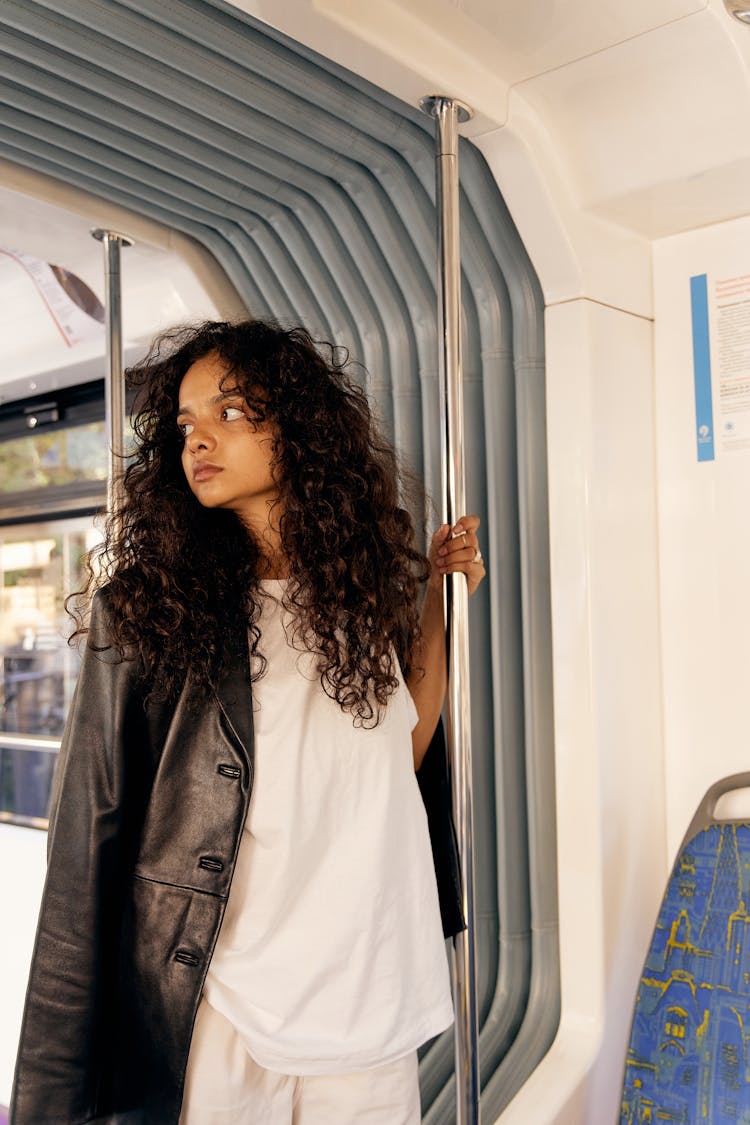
pixel 147 814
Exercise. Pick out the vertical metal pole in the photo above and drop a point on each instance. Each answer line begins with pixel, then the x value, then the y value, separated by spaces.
pixel 448 112
pixel 114 383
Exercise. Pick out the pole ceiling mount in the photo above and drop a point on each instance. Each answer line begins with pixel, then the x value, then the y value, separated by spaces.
pixel 429 105
pixel 100 233
pixel 740 9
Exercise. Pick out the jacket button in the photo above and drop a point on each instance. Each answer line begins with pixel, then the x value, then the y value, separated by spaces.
pixel 210 863
pixel 228 771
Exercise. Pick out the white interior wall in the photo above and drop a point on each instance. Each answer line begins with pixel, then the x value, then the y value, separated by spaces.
pixel 21 883
pixel 704 530
pixel 606 652
pixel 605 573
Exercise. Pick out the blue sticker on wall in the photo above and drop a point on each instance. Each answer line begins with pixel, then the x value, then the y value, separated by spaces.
pixel 689 1044
pixel 704 411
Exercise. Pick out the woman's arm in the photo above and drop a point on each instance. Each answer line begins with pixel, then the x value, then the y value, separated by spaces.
pixel 451 550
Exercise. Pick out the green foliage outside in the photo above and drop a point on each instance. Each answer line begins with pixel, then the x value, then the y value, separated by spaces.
pixel 63 457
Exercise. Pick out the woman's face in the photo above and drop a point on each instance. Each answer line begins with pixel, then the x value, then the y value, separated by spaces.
pixel 227 458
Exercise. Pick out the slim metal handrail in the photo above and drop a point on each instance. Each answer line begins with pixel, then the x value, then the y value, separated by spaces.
pixel 19 820
pixel 114 383
pixel 448 112
pixel 28 742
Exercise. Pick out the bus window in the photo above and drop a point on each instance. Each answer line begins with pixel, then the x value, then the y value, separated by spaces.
pixel 40 563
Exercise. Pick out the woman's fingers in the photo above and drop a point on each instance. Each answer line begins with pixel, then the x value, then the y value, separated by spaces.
pixel 462 544
pixel 456 549
pixel 459 547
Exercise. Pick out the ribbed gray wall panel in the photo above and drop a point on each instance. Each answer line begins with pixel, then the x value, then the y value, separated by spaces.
pixel 314 191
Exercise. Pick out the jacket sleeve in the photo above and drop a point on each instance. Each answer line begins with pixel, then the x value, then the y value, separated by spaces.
pixel 434 781
pixel 57 1077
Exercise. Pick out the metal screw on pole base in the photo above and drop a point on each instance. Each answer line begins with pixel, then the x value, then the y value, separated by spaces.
pixel 448 112
pixel 114 384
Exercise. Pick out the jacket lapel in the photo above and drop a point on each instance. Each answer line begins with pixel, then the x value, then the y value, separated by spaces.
pixel 235 699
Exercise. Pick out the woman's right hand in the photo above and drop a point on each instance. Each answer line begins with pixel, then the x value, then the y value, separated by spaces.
pixel 456 550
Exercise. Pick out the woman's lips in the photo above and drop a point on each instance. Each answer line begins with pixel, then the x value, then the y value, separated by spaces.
pixel 204 470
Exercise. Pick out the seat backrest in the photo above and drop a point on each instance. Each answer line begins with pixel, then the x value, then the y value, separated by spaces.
pixel 687 1059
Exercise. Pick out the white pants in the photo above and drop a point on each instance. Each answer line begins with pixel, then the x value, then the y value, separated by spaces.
pixel 224 1086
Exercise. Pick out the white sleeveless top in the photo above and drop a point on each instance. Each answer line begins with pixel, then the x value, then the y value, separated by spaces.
pixel 331 957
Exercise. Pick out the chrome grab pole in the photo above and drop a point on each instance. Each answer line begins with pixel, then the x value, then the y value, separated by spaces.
pixel 114 383
pixel 448 113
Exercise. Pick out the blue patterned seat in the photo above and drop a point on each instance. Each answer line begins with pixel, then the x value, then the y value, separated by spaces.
pixel 687 1061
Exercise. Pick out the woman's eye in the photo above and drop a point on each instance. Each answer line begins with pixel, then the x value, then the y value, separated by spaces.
pixel 185 428
pixel 232 413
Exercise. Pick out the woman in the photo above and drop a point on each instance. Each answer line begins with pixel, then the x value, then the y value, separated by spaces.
pixel 258 634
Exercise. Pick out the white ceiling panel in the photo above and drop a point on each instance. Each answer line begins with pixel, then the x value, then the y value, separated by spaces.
pixel 476 49
pixel 648 120
pixel 644 104
pixel 534 36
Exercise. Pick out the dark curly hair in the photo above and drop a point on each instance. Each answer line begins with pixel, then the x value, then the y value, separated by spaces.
pixel 180 574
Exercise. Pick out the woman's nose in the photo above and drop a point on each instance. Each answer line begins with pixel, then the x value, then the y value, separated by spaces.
pixel 200 438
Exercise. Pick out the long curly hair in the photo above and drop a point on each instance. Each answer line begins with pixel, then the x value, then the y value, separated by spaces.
pixel 181 577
